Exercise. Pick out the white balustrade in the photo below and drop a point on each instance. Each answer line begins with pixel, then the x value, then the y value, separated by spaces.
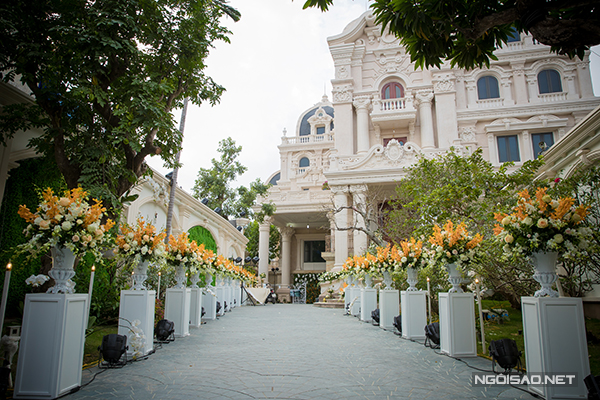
pixel 490 103
pixel 553 97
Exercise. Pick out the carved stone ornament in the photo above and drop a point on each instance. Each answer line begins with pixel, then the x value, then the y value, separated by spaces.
pixel 342 72
pixel 443 83
pixel 394 150
pixel 342 94
pixel 467 133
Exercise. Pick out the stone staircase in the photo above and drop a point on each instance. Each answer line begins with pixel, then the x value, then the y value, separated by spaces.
pixel 330 301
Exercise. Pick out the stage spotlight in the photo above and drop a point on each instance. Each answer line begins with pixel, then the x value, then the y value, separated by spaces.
pixel 248 260
pixel 111 349
pixel 164 331
pixel 432 335
pixel 375 316
pixel 398 323
pixel 506 353
pixel 204 201
pixel 218 306
pixel 203 312
pixel 238 260
pixel 593 386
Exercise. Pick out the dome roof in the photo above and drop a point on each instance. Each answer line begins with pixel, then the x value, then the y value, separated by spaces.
pixel 303 128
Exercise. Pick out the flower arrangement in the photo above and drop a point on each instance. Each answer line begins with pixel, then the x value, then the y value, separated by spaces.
pixel 359 266
pixel 182 251
pixel 140 243
pixel 332 276
pixel 68 221
pixel 453 244
pixel 542 224
pixel 325 186
pixel 37 280
pixel 412 254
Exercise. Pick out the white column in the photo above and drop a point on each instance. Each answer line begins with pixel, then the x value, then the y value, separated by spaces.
pixel 341 221
pixel 427 138
pixel 507 91
pixel 286 253
pixel 571 90
pixel 584 79
pixel 532 89
pixel 360 237
pixel 263 247
pixel 471 94
pixel 361 103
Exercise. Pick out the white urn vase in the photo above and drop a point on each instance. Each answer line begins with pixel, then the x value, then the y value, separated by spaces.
pixel 387 279
pixel 412 279
pixel 455 278
pixel 140 274
pixel 180 277
pixel 208 280
pixel 63 261
pixel 368 281
pixel 195 278
pixel 545 272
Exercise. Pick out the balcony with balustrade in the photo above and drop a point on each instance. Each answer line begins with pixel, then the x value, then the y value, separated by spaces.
pixel 398 112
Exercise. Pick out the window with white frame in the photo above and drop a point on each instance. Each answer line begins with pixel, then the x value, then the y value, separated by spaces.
pixel 487 88
pixel 541 142
pixel 549 81
pixel 304 162
pixel 508 148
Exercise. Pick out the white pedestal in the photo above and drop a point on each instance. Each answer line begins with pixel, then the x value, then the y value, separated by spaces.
pixel 177 310
pixel 237 294
pixel 348 296
pixel 355 307
pixel 51 348
pixel 368 303
pixel 229 297
pixel 195 307
pixel 555 343
pixel 414 314
pixel 220 291
pixel 457 324
pixel 209 302
pixel 389 307
pixel 138 304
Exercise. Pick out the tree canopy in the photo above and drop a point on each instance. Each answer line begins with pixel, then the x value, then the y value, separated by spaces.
pixel 104 77
pixel 467 32
pixel 214 184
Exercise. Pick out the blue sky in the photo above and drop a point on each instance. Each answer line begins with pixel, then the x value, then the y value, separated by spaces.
pixel 277 65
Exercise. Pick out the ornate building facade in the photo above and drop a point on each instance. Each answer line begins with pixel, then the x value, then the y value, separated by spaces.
pixel 384 114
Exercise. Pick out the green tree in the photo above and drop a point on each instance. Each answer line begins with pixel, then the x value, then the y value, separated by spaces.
pixel 203 236
pixel 252 233
pixel 214 184
pixel 467 32
pixel 104 77
pixel 469 189
pixel 580 272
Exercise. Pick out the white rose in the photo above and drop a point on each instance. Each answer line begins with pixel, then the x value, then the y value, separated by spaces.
pixel 66 226
pixel 527 221
pixel 558 238
pixel 144 250
pixel 509 238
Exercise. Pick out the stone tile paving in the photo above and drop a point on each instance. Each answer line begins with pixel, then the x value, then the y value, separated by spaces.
pixel 287 351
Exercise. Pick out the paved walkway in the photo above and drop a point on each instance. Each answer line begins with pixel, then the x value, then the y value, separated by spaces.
pixel 289 351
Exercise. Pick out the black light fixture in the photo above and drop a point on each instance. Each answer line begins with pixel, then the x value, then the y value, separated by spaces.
pixel 593 386
pixel 111 349
pixel 218 306
pixel 204 201
pixel 239 228
pixel 238 260
pixel 248 260
pixel 218 210
pixel 255 260
pixel 169 176
pixel 203 312
pixel 398 322
pixel 375 316
pixel 164 331
pixel 432 335
pixel 506 353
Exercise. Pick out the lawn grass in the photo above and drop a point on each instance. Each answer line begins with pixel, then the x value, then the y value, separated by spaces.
pixel 513 329
pixel 93 340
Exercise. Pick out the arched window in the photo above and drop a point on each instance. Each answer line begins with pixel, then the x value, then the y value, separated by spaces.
pixel 487 88
pixel 304 162
pixel 392 90
pixel 549 81
pixel 513 36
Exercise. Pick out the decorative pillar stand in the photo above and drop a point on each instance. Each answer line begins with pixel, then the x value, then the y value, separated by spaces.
pixel 138 304
pixel 195 307
pixel 389 307
pixel 51 350
pixel 555 343
pixel 220 292
pixel 177 310
pixel 355 302
pixel 414 314
pixel 210 303
pixel 368 303
pixel 457 324
pixel 348 297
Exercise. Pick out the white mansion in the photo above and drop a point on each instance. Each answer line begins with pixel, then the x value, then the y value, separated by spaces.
pixel 384 114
